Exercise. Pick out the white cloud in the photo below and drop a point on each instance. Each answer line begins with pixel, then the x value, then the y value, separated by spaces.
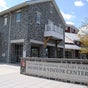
pixel 3 5
pixel 79 3
pixel 68 22
pixel 67 16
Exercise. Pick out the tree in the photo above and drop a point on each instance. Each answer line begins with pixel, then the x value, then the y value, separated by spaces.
pixel 84 22
pixel 84 36
pixel 84 43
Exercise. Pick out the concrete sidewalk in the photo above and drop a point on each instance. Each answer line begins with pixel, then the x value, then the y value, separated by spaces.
pixel 10 77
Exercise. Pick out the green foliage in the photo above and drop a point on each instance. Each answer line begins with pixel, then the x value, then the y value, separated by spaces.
pixel 84 43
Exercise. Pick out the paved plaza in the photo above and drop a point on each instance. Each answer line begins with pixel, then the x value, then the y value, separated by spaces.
pixel 10 77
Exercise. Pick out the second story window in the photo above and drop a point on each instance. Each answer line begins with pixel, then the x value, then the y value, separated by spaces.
pixel 18 16
pixel 38 17
pixel 5 20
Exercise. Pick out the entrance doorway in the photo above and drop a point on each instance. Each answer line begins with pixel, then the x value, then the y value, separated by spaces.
pixel 16 52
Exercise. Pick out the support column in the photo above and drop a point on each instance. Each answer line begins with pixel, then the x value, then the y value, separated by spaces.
pixel 56 48
pixel 74 54
pixel 46 39
pixel 28 49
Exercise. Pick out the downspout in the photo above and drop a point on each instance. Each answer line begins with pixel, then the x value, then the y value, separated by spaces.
pixel 8 60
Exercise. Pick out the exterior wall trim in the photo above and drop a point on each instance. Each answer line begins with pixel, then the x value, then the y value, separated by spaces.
pixel 17 41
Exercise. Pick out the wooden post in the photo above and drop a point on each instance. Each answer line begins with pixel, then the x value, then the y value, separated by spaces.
pixel 46 39
pixel 56 48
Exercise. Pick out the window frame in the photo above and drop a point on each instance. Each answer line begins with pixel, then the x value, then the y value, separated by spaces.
pixel 5 20
pixel 38 17
pixel 18 16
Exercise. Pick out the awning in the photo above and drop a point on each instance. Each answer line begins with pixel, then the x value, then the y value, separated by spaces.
pixel 73 37
pixel 74 47
pixel 67 40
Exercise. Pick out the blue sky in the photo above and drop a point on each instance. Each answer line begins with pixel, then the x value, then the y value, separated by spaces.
pixel 73 11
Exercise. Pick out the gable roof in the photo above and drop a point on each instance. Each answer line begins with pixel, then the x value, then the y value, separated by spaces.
pixel 30 3
pixel 72 26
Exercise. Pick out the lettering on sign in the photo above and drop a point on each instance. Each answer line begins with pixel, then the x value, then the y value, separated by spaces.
pixel 73 72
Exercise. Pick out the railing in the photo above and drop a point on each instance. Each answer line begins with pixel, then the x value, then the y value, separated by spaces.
pixel 53 28
pixel 53 31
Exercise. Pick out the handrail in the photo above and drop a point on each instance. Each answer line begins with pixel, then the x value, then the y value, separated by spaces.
pixel 53 28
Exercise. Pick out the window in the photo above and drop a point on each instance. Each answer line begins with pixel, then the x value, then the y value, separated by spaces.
pixel 68 54
pixel 50 25
pixel 73 30
pixel 35 52
pixel 38 17
pixel 5 20
pixel 18 16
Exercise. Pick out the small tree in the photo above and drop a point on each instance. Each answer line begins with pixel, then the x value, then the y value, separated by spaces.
pixel 84 37
pixel 84 43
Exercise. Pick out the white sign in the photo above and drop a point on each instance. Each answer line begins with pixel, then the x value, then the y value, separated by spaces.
pixel 24 53
pixel 66 71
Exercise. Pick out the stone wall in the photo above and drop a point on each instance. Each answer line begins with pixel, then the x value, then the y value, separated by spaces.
pixel 36 31
pixel 27 28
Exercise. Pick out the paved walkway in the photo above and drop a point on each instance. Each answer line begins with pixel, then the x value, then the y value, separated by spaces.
pixel 10 77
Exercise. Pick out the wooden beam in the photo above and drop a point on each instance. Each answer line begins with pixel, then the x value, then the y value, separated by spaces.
pixel 46 39
pixel 58 41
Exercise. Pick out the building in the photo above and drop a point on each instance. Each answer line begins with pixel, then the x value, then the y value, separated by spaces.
pixel 71 29
pixel 31 29
pixel 72 42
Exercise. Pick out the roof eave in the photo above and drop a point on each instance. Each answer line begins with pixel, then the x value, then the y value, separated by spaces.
pixel 70 25
pixel 13 8
pixel 30 3
pixel 58 10
pixel 21 5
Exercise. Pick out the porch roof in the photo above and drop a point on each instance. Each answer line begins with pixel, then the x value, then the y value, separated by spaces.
pixel 73 47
